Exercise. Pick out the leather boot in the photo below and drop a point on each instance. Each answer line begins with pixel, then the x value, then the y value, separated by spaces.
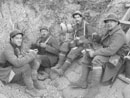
pixel 96 75
pixel 30 89
pixel 63 68
pixel 60 62
pixel 83 80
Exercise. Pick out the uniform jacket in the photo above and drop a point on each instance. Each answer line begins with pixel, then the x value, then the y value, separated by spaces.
pixel 52 46
pixel 84 31
pixel 10 59
pixel 51 49
pixel 112 42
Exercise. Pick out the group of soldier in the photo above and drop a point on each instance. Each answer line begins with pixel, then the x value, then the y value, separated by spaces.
pixel 58 56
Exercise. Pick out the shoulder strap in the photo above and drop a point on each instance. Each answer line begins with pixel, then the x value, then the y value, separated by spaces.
pixel 47 39
pixel 85 28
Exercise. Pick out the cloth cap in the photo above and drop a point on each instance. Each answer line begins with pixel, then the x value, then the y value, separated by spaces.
pixel 14 33
pixel 111 17
pixel 45 28
pixel 77 13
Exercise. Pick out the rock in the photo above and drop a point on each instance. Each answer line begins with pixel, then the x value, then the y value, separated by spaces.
pixel 3 96
pixel 74 93
pixel 53 75
pixel 74 72
pixel 63 83
pixel 72 76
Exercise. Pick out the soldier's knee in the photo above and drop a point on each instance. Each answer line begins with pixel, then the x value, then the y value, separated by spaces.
pixel 97 61
pixel 71 55
pixel 26 68
pixel 64 47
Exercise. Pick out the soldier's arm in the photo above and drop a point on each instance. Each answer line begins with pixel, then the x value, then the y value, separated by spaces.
pixel 18 61
pixel 117 42
pixel 53 47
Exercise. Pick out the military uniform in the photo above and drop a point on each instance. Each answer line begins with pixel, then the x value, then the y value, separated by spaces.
pixel 49 54
pixel 112 44
pixel 71 50
pixel 14 61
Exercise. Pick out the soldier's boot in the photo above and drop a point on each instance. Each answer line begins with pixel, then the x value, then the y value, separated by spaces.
pixel 60 62
pixel 34 74
pixel 38 84
pixel 63 68
pixel 96 75
pixel 30 89
pixel 83 80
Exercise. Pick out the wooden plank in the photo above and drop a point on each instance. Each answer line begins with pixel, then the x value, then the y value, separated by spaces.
pixel 128 36
pixel 126 16
pixel 125 22
pixel 127 5
pixel 124 79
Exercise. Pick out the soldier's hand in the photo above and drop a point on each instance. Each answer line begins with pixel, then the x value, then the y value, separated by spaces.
pixel 91 52
pixel 33 51
pixel 80 42
pixel 77 38
pixel 43 45
pixel 36 50
pixel 127 57
pixel 94 35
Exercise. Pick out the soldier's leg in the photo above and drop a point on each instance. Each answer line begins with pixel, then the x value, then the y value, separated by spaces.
pixel 98 62
pixel 35 65
pixel 64 49
pixel 27 78
pixel 44 63
pixel 86 67
pixel 74 53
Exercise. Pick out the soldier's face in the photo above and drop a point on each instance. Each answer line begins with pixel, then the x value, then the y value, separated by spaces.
pixel 111 24
pixel 44 33
pixel 78 19
pixel 17 40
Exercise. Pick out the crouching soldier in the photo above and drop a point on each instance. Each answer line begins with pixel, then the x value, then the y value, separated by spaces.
pixel 82 31
pixel 14 63
pixel 48 49
pixel 112 42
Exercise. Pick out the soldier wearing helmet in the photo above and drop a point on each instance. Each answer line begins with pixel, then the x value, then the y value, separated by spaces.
pixel 15 63
pixel 112 42
pixel 81 33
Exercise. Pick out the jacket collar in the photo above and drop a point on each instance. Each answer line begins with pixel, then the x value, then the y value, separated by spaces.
pixel 14 46
pixel 117 28
pixel 110 33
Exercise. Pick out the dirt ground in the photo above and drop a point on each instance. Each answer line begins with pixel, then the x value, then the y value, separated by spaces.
pixel 59 87
pixel 30 15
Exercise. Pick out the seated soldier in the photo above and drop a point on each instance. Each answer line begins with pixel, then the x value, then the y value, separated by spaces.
pixel 112 42
pixel 65 37
pixel 15 63
pixel 71 50
pixel 48 48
